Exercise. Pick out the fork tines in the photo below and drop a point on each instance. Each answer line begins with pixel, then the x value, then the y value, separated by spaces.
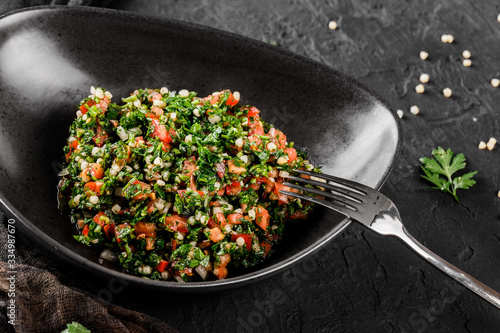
pixel 342 193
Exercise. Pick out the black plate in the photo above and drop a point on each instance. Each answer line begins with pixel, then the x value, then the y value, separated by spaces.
pixel 50 56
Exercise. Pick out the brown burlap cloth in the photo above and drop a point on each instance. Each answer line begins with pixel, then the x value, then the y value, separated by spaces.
pixel 44 301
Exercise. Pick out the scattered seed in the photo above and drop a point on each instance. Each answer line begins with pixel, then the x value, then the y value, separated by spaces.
pixel 482 145
pixel 495 82
pixel 424 55
pixel 498 194
pixel 332 25
pixel 447 92
pixel 498 18
pixel 466 54
pixel 400 113
pixel 467 62
pixel 447 39
pixel 420 89
pixel 415 110
pixel 491 143
pixel 424 78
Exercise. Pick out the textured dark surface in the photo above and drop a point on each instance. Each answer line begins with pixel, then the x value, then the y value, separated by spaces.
pixel 362 282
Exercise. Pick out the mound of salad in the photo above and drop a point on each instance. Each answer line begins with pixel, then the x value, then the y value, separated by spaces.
pixel 178 187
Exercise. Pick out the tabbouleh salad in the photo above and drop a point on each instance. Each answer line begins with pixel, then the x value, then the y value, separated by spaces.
pixel 178 187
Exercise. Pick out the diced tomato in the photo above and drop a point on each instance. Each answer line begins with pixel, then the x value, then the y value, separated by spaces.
pixel 211 223
pixel 214 99
pixel 150 243
pixel 221 219
pixel 176 223
pixel 266 246
pixel 139 140
pixel 282 199
pixel 95 187
pixel 96 170
pixel 109 230
pixel 148 229
pixel 151 115
pixel 124 211
pixel 161 132
pixel 118 230
pixel 114 122
pixel 221 191
pixel 157 110
pixel 151 206
pixel 85 107
pixel 233 190
pixel 255 186
pixel 231 101
pixel 97 219
pixel 157 96
pixel 292 154
pixel 216 235
pixel 233 168
pixel 256 128
pixel 188 271
pixel 246 237
pixel 255 142
pixel 166 147
pixel 221 271
pixel 253 111
pixel 174 244
pixel 144 187
pixel 182 193
pixel 189 167
pixel 221 169
pixel 161 266
pixel 298 216
pixel 103 104
pixel 224 260
pixel 278 137
pixel 234 218
pixel 100 136
pixel 262 217
pixel 269 184
pixel 85 231
pixel 72 147
pixel 192 183
pixel 85 175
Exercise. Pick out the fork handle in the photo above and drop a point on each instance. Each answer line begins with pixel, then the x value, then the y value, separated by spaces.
pixel 465 279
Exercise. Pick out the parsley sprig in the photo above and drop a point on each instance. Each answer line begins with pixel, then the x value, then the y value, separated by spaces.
pixel 75 327
pixel 440 169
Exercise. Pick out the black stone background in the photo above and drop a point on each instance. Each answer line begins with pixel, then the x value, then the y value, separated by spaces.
pixel 362 282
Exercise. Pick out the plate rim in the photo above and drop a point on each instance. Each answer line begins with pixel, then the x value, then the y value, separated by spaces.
pixel 48 243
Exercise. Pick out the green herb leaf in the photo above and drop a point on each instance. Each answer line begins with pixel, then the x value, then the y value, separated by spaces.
pixel 75 327
pixel 445 164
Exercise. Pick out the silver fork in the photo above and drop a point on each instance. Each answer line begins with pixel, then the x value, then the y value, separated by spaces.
pixel 377 212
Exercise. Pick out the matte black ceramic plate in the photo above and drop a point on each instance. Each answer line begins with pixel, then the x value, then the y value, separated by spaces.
pixel 50 56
